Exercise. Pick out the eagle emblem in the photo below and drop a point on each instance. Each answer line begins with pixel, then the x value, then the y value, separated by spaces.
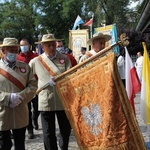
pixel 93 117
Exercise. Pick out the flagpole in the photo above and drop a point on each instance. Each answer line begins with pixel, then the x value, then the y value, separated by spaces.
pixel 91 15
pixel 91 31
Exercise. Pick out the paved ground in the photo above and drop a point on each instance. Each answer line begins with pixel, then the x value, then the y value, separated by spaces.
pixel 37 142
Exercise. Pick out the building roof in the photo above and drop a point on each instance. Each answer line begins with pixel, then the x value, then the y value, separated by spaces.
pixel 144 21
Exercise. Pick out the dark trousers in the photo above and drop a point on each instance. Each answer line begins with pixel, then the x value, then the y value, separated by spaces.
pixel 49 129
pixel 19 139
pixel 33 116
pixel 124 82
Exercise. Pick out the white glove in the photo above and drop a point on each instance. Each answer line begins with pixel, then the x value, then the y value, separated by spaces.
pixel 51 81
pixel 15 100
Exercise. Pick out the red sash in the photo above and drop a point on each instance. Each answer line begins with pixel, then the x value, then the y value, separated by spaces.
pixel 12 79
pixel 52 73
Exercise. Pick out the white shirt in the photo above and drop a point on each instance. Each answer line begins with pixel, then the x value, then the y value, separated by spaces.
pixel 139 66
pixel 121 66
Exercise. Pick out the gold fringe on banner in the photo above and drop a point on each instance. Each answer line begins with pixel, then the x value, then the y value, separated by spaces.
pixel 98 109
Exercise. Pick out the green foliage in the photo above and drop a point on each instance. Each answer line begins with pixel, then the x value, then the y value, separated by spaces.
pixel 29 18
pixel 58 17
pixel 18 19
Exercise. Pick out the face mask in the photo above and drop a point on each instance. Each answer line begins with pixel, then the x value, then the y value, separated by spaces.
pixel 60 49
pixel 24 49
pixel 12 57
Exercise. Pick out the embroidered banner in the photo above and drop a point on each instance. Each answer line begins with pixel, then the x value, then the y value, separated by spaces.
pixel 98 109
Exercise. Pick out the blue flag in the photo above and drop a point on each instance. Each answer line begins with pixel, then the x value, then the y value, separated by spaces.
pixel 77 22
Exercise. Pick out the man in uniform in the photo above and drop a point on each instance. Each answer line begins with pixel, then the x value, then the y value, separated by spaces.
pixel 46 66
pixel 98 43
pixel 17 87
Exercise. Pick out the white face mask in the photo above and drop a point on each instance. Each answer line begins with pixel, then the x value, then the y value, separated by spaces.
pixel 12 57
pixel 61 49
pixel 24 49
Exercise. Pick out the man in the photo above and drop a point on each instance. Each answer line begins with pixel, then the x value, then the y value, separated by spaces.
pixel 17 87
pixel 83 52
pixel 139 65
pixel 60 48
pixel 98 43
pixel 46 67
pixel 26 55
pixel 121 65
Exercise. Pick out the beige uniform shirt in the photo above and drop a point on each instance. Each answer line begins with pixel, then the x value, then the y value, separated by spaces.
pixel 48 98
pixel 14 118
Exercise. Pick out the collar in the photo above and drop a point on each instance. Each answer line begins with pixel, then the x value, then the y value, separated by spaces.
pixel 52 58
pixel 11 65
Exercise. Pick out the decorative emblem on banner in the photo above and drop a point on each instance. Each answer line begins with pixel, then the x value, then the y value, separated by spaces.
pixel 61 61
pixel 93 117
pixel 23 70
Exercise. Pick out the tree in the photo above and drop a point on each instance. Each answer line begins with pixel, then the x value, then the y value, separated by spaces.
pixel 26 19
pixel 58 16
pixel 20 20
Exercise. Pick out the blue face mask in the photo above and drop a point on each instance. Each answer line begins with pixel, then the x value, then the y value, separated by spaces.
pixel 12 57
pixel 24 49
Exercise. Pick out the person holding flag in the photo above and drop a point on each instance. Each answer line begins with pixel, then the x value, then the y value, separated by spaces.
pixel 47 66
pixel 98 43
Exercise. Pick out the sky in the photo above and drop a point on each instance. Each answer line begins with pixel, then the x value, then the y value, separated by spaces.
pixel 134 4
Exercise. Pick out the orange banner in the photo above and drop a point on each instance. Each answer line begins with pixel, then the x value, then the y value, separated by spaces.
pixel 98 109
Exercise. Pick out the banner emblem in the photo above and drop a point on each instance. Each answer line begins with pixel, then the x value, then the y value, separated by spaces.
pixel 62 61
pixel 23 70
pixel 93 117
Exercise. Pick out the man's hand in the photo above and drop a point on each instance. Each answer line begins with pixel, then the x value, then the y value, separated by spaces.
pixel 51 81
pixel 15 100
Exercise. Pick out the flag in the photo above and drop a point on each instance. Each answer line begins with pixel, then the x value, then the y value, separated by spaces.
pixel 114 39
pixel 99 110
pixel 89 23
pixel 145 90
pixel 111 30
pixel 77 22
pixel 133 85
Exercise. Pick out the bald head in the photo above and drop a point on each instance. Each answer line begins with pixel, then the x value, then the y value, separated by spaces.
pixel 139 54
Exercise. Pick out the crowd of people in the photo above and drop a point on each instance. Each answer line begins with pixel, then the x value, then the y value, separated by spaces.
pixel 22 72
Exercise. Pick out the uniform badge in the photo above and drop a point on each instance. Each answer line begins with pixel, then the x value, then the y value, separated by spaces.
pixel 62 61
pixel 23 70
